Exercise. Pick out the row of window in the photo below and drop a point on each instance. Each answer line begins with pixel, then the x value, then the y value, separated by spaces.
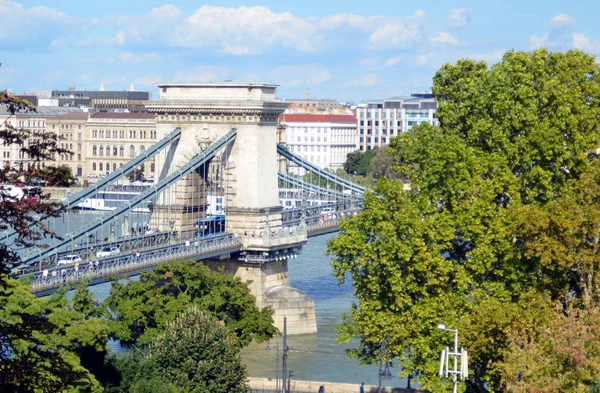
pixel 133 134
pixel 312 138
pixel 120 151
pixel 107 167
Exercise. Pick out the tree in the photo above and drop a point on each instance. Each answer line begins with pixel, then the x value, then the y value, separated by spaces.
pixel 560 355
pixel 195 353
pixel 136 174
pixel 512 138
pixel 142 308
pixel 42 342
pixel 60 176
pixel 381 164
pixel 352 162
pixel 40 339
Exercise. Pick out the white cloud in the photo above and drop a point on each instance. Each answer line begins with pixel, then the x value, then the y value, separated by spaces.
pixel 580 41
pixel 257 29
pixel 368 80
pixel 459 17
pixel 562 20
pixel 422 59
pixel 30 27
pixel 398 33
pixel 536 42
pixel 444 38
pixel 300 75
pixel 392 61
pixel 369 62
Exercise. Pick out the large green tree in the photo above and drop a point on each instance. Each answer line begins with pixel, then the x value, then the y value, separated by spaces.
pixel 194 353
pixel 141 309
pixel 42 341
pixel 512 137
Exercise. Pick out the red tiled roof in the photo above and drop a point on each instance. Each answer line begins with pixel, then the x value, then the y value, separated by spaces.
pixel 311 118
pixel 74 116
pixel 119 115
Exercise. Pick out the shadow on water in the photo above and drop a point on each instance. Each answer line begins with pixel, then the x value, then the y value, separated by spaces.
pixel 323 287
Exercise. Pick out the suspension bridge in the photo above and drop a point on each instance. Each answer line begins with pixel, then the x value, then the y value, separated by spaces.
pixel 223 193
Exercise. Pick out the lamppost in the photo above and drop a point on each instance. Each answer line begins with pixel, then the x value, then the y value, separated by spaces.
pixel 455 372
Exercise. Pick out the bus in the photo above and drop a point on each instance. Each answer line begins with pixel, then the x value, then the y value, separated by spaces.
pixel 214 225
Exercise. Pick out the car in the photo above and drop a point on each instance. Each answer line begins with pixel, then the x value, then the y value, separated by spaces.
pixel 327 210
pixel 20 270
pixel 69 260
pixel 107 251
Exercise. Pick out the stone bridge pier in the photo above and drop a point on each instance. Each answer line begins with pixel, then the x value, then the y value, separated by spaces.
pixel 205 112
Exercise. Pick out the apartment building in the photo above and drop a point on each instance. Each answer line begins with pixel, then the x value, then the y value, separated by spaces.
pixel 36 123
pixel 70 128
pixel 322 139
pixel 115 138
pixel 378 121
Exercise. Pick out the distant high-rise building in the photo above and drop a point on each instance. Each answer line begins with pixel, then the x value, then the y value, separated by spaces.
pixel 378 121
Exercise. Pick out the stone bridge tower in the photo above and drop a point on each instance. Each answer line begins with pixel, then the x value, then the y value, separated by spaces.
pixel 205 112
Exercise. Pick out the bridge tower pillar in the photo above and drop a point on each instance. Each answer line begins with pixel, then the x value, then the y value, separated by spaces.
pixel 205 112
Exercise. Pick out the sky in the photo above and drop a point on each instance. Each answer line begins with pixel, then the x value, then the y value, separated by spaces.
pixel 349 50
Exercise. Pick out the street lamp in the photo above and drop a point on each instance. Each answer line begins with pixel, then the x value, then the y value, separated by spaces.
pixel 444 359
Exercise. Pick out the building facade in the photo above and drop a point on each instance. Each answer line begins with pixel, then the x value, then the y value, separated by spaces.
pixel 36 123
pixel 115 138
pixel 378 121
pixel 322 139
pixel 100 100
pixel 70 128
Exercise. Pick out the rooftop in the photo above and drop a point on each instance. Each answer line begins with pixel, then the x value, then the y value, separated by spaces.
pixel 74 116
pixel 312 118
pixel 215 84
pixel 120 115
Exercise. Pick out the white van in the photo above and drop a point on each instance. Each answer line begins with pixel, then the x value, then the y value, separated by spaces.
pixel 69 260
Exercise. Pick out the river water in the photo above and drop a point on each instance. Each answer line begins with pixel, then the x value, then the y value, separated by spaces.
pixel 316 357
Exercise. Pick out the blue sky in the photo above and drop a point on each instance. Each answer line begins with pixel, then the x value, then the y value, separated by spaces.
pixel 350 50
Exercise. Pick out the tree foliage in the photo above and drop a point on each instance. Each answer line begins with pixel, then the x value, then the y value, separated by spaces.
pixel 142 308
pixel 498 225
pixel 194 353
pixel 44 343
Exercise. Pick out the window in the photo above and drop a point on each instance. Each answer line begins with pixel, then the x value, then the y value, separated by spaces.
pixel 94 150
pixel 78 157
pixel 114 151
pixel 93 166
pixel 107 166
pixel 100 166
pixel 131 151
pixel 115 166
pixel 79 170
pixel 122 151
pixel 79 146
pixel 142 149
pixel 101 150
pixel 152 167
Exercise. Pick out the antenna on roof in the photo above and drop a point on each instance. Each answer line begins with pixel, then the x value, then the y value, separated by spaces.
pixel 307 94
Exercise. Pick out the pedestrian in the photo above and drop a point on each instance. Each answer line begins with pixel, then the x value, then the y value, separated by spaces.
pixel 321 389
pixel 362 387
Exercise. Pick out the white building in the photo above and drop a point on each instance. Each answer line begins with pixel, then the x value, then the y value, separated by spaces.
pixel 322 139
pixel 378 121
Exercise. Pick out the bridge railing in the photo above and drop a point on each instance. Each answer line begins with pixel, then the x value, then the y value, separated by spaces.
pixel 124 263
pixel 275 237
